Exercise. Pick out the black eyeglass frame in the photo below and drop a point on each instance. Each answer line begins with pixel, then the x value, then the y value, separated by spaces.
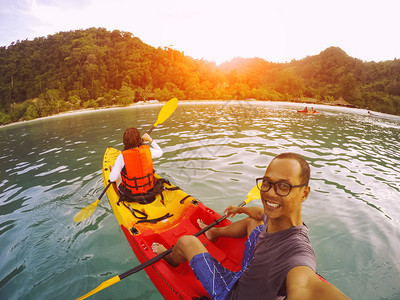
pixel 274 184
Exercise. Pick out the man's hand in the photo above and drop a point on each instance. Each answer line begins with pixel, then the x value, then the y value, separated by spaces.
pixel 232 211
pixel 253 212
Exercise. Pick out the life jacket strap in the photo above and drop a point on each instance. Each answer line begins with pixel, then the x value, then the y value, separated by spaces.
pixel 126 179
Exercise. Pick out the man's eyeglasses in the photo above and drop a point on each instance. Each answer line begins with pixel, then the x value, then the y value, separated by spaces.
pixel 282 188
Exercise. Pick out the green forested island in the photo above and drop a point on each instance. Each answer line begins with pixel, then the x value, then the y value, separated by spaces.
pixel 97 68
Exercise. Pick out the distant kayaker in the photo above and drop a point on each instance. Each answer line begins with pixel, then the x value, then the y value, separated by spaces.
pixel 278 259
pixel 305 109
pixel 134 166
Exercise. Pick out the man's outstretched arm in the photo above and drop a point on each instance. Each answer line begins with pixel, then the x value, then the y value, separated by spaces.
pixel 302 283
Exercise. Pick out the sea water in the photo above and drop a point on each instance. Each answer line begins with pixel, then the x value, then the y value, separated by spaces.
pixel 51 168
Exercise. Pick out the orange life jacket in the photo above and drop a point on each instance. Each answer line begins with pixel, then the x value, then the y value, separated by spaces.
pixel 138 173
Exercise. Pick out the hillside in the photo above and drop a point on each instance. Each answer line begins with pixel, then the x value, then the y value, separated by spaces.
pixel 95 67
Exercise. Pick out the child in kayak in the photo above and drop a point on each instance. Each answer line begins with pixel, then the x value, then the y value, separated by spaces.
pixel 134 166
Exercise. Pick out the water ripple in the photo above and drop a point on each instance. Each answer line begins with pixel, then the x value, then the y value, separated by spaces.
pixel 59 169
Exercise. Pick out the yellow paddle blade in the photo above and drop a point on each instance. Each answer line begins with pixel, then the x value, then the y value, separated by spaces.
pixel 253 194
pixel 166 111
pixel 102 286
pixel 86 212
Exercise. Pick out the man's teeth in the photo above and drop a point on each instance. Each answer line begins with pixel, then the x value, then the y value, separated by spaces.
pixel 273 204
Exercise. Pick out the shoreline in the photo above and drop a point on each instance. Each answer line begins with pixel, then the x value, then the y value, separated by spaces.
pixel 156 102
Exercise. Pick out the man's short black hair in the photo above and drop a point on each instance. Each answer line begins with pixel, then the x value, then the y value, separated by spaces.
pixel 305 168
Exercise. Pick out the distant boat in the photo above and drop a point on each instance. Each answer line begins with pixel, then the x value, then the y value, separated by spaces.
pixel 308 111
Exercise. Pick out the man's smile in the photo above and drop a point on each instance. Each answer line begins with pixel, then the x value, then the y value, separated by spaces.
pixel 275 205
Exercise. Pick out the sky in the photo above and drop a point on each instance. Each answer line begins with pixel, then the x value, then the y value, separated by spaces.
pixel 219 30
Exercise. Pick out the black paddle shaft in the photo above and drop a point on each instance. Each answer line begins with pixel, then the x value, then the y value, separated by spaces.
pixel 150 130
pixel 145 264
pixel 105 189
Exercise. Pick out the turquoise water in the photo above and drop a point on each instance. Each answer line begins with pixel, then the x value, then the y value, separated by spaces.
pixel 51 168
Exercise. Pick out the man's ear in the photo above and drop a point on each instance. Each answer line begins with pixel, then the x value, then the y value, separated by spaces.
pixel 306 192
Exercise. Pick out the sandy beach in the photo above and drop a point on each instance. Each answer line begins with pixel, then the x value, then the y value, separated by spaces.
pixel 156 102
